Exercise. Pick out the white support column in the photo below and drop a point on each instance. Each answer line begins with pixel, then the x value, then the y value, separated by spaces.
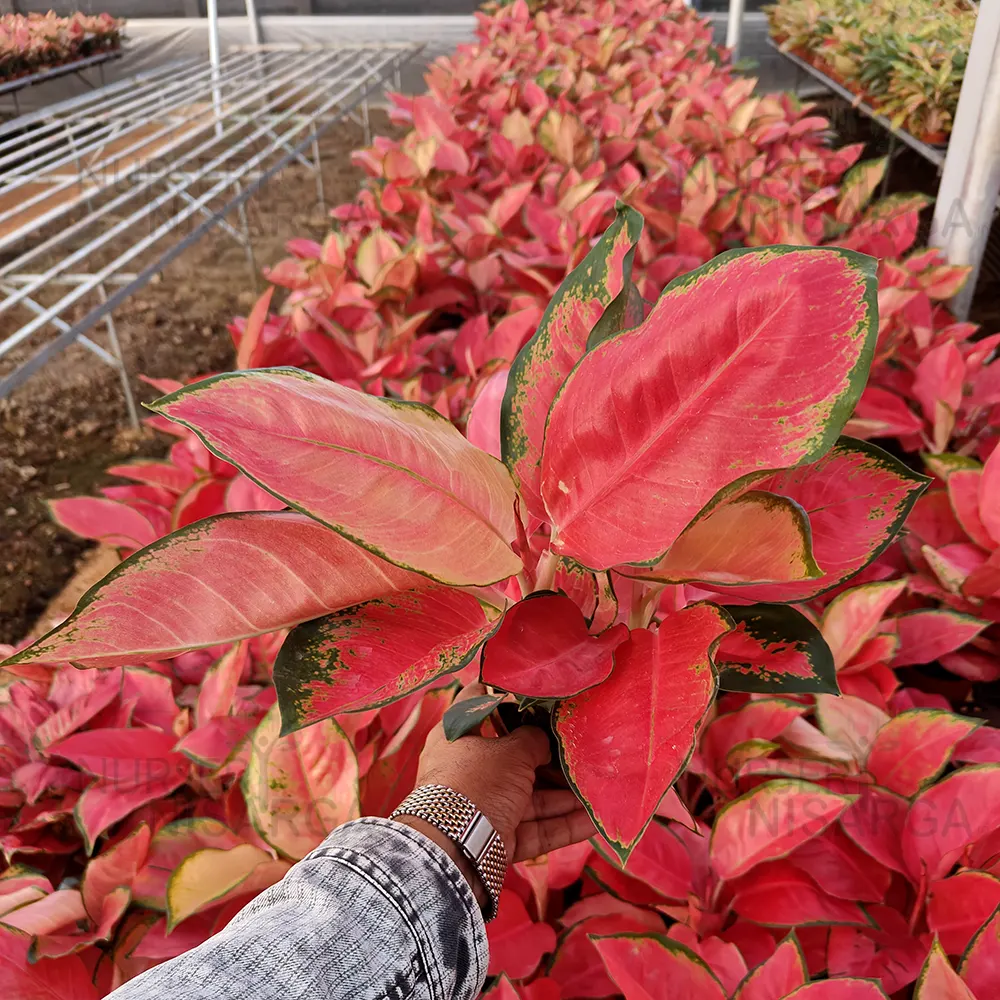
pixel 253 22
pixel 970 181
pixel 734 27
pixel 215 59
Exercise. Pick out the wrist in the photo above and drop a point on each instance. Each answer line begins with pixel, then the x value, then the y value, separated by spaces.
pixel 465 866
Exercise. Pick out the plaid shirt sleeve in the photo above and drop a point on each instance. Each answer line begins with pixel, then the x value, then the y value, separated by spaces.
pixel 376 912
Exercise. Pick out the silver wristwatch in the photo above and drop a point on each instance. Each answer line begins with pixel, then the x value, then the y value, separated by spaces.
pixel 460 821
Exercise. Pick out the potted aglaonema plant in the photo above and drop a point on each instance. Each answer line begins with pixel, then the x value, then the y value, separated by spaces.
pixel 671 485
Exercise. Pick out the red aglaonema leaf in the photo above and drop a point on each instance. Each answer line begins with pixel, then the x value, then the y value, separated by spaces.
pixel 770 822
pixel 939 981
pixel 963 492
pixel 623 743
pixel 875 823
pixel 756 537
pixel 841 868
pixel 517 943
pixel 79 711
pixel 980 968
pixel 543 649
pixel 58 910
pixel 113 869
pixel 926 635
pixel 857 497
pixel 649 967
pixel 662 861
pixel 374 653
pixel 483 425
pixel 577 965
pixel 716 347
pixel 52 979
pixel 839 989
pixel 774 649
pixel 387 474
pixel 299 787
pixel 133 767
pixel 778 976
pixel 542 365
pixel 778 894
pixel 958 905
pixel 106 521
pixel 910 750
pixel 192 589
pixel 948 816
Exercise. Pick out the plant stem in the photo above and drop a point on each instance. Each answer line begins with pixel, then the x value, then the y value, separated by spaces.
pixel 644 603
pixel 545 572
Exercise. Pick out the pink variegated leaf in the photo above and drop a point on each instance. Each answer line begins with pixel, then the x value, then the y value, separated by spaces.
pixel 779 894
pixel 483 426
pixel 924 636
pixel 755 537
pixel 717 350
pixel 839 989
pixel 980 967
pixel 852 618
pixel 770 822
pixel 299 787
pixel 857 497
pixel 192 589
pixel 374 653
pixel 777 976
pixel 517 943
pixel 395 477
pixel 52 979
pixel 912 748
pixel 542 365
pixel 938 980
pixel 947 817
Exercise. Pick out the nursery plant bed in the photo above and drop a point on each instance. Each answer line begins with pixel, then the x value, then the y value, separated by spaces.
pixel 64 69
pixel 935 154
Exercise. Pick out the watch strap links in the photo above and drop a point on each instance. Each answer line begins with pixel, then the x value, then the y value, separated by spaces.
pixel 459 819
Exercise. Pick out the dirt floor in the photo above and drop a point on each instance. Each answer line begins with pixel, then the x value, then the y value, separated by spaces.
pixel 61 429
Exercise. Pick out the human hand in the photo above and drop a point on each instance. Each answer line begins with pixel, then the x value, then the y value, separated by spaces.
pixel 498 775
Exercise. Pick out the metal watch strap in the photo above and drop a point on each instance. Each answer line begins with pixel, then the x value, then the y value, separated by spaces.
pixel 459 820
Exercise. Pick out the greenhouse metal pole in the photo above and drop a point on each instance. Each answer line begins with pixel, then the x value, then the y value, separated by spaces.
pixel 970 181
pixel 734 27
pixel 254 22
pixel 214 59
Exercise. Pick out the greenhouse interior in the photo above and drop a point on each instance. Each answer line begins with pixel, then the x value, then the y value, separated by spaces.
pixel 387 387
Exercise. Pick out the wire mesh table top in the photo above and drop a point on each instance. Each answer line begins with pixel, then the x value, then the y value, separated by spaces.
pixel 92 189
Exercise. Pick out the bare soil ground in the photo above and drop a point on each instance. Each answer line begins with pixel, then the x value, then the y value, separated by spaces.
pixel 61 429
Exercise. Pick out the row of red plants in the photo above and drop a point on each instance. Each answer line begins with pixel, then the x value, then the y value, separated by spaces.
pixel 843 821
pixel 30 43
